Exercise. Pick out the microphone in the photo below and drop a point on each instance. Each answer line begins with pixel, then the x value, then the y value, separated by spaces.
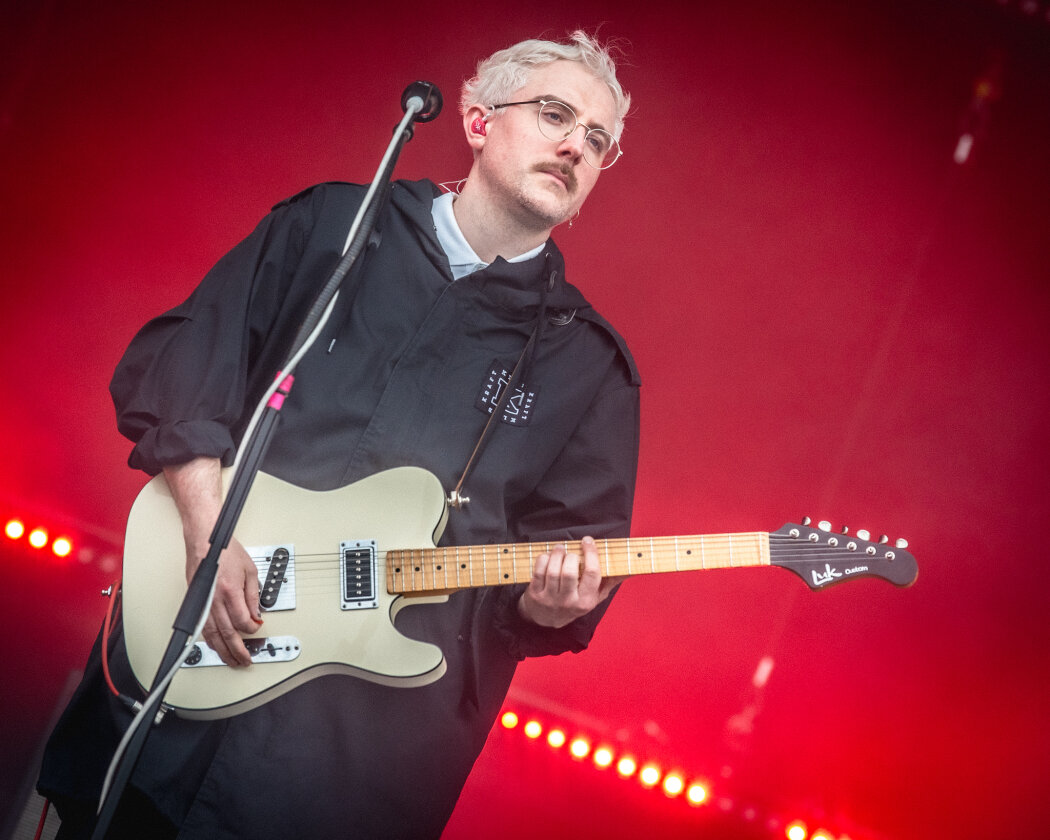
pixel 424 98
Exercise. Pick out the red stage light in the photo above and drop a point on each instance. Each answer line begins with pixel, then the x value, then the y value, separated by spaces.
pixel 509 720
pixel 603 756
pixel 650 775
pixel 556 738
pixel 533 729
pixel 38 538
pixel 626 766
pixel 580 748
pixel 14 529
pixel 673 784
pixel 696 793
pixel 62 547
pixel 796 831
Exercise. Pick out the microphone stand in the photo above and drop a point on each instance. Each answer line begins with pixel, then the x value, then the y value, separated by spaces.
pixel 421 102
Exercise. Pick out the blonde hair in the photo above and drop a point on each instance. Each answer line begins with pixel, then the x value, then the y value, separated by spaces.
pixel 506 71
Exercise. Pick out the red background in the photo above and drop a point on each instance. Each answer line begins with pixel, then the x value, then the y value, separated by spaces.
pixel 830 316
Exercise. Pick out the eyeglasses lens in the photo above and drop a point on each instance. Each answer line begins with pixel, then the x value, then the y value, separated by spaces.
pixel 557 121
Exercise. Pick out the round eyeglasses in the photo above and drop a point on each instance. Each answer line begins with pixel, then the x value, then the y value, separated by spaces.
pixel 557 121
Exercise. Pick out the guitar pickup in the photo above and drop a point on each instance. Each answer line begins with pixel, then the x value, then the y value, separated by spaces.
pixel 276 568
pixel 357 571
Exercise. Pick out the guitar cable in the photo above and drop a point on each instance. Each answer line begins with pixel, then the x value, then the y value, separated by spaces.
pixel 115 602
pixel 107 627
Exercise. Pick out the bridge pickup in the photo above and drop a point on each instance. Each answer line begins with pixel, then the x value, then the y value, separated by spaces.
pixel 357 569
pixel 276 568
pixel 263 651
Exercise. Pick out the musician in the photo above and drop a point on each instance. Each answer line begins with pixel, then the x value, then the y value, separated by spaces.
pixel 406 372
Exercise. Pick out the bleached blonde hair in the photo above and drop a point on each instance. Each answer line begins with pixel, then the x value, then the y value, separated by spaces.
pixel 506 71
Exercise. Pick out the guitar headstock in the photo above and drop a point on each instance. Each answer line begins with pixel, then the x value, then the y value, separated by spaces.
pixel 822 558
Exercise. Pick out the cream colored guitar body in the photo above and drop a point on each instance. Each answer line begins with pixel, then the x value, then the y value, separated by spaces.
pixel 403 507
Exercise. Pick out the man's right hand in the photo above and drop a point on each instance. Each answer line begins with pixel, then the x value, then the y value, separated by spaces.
pixel 235 609
pixel 197 490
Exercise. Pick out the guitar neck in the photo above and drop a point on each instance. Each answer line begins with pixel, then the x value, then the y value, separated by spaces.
pixel 426 570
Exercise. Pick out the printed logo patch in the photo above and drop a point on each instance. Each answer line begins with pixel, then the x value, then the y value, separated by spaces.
pixel 519 406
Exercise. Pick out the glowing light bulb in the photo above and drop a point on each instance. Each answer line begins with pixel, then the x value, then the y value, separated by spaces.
pixel 14 529
pixel 603 756
pixel 673 784
pixel 626 766
pixel 38 538
pixel 796 831
pixel 650 775
pixel 62 547
pixel 579 748
pixel 696 794
pixel 509 720
pixel 533 729
pixel 556 738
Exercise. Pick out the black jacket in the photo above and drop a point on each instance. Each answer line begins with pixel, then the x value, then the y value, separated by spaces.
pixel 405 373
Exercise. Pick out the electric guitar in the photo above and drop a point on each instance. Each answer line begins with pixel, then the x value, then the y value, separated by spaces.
pixel 336 567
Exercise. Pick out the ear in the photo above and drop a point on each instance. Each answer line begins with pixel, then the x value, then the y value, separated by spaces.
pixel 475 139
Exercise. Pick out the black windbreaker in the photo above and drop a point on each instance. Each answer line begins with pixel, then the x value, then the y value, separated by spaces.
pixel 403 373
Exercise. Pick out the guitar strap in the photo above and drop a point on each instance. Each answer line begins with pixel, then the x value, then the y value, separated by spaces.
pixel 455 498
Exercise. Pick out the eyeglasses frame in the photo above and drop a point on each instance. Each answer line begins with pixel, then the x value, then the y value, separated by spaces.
pixel 619 151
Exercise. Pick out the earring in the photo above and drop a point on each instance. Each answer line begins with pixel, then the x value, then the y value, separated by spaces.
pixel 574 218
pixel 478 126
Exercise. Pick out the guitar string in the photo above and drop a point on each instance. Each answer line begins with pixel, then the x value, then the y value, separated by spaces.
pixel 440 562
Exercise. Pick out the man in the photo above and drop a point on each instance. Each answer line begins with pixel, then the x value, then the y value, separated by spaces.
pixel 406 372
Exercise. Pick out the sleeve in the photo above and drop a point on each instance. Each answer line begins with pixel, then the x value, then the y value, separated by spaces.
pixel 181 386
pixel 591 485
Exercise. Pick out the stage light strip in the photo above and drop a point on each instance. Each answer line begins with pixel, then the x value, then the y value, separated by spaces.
pixel 649 775
pixel 673 784
pixel 40 537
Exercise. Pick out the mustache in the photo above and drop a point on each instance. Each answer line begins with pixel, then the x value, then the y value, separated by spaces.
pixel 563 170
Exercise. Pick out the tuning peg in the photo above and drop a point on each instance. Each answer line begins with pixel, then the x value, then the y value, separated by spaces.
pixel 864 535
pixel 901 542
pixel 884 539
pixel 806 520
pixel 824 525
pixel 845 529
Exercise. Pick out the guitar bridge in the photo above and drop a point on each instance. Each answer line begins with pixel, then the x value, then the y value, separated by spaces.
pixel 357 571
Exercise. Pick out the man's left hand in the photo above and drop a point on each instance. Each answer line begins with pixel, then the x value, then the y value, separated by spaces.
pixel 563 588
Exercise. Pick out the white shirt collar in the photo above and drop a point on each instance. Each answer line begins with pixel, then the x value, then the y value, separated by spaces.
pixel 461 256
